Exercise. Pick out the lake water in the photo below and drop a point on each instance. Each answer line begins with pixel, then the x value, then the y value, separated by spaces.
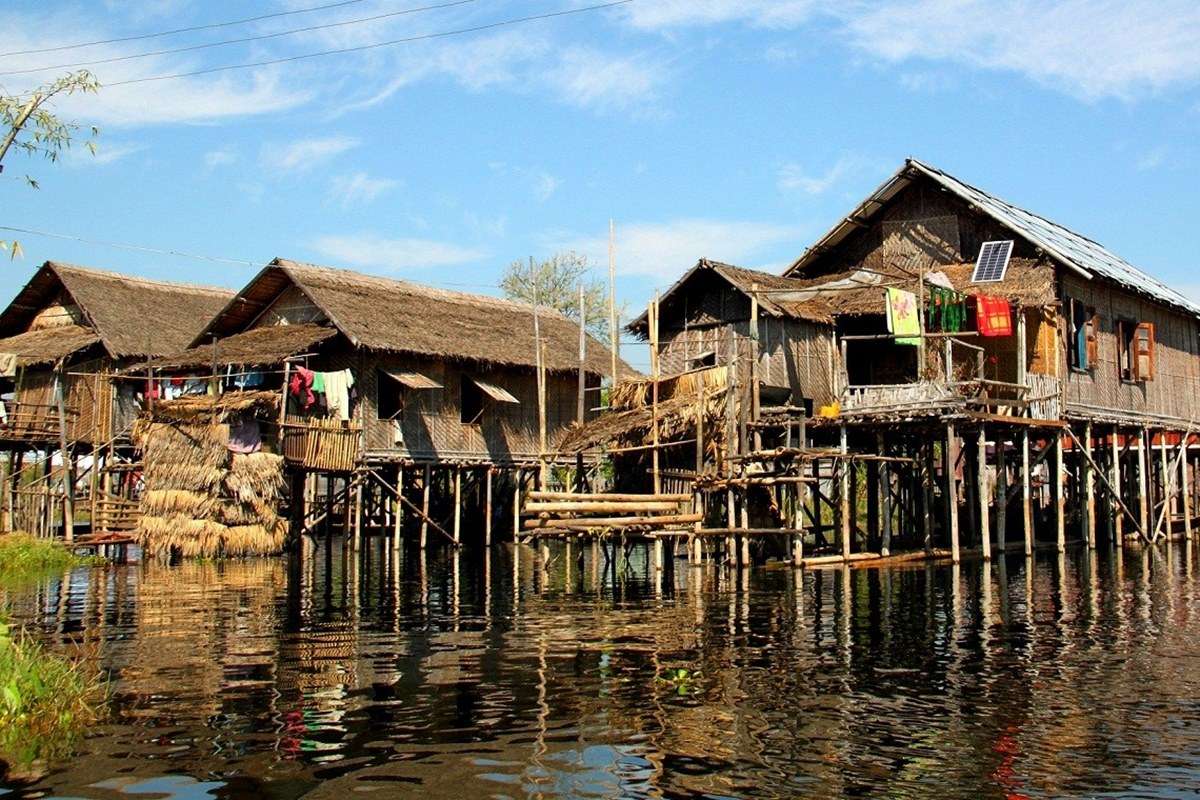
pixel 1071 676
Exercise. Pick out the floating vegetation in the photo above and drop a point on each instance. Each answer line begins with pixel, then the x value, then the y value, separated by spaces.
pixel 24 557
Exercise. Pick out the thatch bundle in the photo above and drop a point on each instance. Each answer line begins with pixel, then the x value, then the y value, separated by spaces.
pixel 634 394
pixel 202 500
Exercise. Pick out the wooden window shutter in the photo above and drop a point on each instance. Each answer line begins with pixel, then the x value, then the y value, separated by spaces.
pixel 1143 351
pixel 1091 327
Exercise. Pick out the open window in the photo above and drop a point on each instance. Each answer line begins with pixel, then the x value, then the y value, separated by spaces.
pixel 1135 350
pixel 475 395
pixel 706 359
pixel 1082 345
pixel 393 389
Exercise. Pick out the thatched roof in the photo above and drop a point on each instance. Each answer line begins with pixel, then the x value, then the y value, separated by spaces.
pixel 132 317
pixel 256 347
pixel 744 280
pixel 1077 253
pixel 48 345
pixel 203 407
pixel 397 316
pixel 1027 282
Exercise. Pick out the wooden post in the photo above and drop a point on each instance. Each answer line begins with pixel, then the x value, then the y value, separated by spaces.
pixel 1118 519
pixel 487 508
pixel 5 470
pixel 1001 490
pixel 580 401
pixel 655 376
pixel 1060 495
pixel 927 497
pixel 357 540
pixel 983 495
pixel 950 458
pixel 516 509
pixel 398 509
pixel 1089 490
pixel 801 493
pixel 425 507
pixel 540 364
pixel 1143 483
pixel 844 505
pixel 68 473
pixel 1026 494
pixel 1185 490
pixel 884 489
pixel 457 504
pixel 1022 355
pixel 755 392
pixel 1168 507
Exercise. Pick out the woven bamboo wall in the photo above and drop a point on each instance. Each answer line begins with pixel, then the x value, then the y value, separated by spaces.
pixel 1172 392
pixel 431 425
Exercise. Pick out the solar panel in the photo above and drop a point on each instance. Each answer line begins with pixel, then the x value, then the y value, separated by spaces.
pixel 992 262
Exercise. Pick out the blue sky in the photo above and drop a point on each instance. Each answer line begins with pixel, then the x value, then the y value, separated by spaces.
pixel 734 130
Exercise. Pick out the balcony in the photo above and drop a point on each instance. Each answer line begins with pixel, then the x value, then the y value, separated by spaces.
pixel 329 445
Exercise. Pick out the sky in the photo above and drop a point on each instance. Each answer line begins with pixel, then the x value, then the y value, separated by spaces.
pixel 738 131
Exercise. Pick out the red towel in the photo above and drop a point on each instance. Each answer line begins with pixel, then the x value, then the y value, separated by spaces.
pixel 993 316
pixel 301 386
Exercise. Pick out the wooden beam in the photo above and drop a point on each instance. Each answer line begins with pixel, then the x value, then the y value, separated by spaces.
pixel 950 461
pixel 1089 490
pixel 983 495
pixel 1026 494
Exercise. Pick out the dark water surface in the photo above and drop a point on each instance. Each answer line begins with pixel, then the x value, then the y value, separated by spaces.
pixel 1073 676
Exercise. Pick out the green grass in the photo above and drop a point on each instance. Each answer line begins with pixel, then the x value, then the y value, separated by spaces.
pixel 46 700
pixel 23 557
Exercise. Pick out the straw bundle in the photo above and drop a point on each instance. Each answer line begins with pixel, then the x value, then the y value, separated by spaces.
pixel 202 500
pixel 634 394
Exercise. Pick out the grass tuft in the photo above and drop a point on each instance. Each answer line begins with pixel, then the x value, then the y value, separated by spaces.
pixel 24 557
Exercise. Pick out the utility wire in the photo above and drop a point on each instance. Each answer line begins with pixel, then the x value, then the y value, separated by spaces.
pixel 160 34
pixel 243 40
pixel 123 246
pixel 376 45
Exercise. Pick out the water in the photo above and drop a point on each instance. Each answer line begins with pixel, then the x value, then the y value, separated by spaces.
pixel 1075 676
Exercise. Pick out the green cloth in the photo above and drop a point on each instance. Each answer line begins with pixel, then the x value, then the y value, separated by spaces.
pixel 902 316
pixel 947 310
pixel 318 382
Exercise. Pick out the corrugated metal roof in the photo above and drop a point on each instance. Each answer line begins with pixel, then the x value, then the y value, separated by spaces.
pixel 1074 251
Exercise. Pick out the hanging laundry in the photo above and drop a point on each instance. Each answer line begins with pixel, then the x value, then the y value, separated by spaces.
pixel 196 386
pixel 249 380
pixel 902 316
pixel 337 392
pixel 951 309
pixel 300 387
pixel 245 437
pixel 993 316
pixel 319 382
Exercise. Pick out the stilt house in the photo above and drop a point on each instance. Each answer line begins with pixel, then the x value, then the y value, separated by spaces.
pixel 951 350
pixel 64 337
pixel 377 376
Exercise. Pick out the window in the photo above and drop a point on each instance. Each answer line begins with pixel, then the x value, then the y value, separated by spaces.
pixel 1135 350
pixel 390 396
pixel 1082 345
pixel 705 359
pixel 470 401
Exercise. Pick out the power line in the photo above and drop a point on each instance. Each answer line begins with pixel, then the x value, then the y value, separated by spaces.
pixel 376 45
pixel 123 246
pixel 243 40
pixel 160 34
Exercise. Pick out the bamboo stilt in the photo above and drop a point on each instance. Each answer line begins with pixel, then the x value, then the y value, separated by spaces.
pixel 1089 490
pixel 424 541
pixel 487 508
pixel 950 457
pixel 844 507
pixel 1058 485
pixel 1001 491
pixel 983 495
pixel 1026 494
pixel 457 505
pixel 1117 520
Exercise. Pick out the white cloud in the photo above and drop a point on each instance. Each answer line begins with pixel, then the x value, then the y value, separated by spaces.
pixel 358 188
pixel 541 183
pixel 220 158
pixel 304 154
pixel 794 178
pixel 106 153
pixel 371 251
pixel 545 185
pixel 594 79
pixel 663 250
pixel 1152 159
pixel 680 13
pixel 1089 48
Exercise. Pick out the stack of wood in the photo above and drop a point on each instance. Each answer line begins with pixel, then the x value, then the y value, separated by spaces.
pixel 556 513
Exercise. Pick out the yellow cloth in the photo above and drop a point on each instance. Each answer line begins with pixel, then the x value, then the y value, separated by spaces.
pixel 902 316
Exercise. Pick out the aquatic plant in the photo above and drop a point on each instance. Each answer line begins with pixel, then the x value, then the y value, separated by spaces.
pixel 681 679
pixel 24 557
pixel 46 700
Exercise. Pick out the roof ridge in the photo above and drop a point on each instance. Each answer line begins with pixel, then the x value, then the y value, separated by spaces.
pixel 139 279
pixel 423 289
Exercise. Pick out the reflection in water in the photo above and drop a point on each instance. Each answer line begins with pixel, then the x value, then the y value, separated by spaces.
pixel 504 674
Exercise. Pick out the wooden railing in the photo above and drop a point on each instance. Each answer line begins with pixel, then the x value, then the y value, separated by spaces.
pixel 35 421
pixel 330 445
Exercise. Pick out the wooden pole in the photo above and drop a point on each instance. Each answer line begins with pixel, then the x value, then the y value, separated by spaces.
pixel 398 508
pixel 68 477
pixel 1026 494
pixel 1143 482
pixel 1089 490
pixel 755 389
pixel 1022 355
pixel 927 497
pixel 983 495
pixel 457 504
pixel 844 505
pixel 614 338
pixel 539 362
pixel 516 506
pixel 1118 521
pixel 580 404
pixel 487 508
pixel 655 376
pixel 1185 491
pixel 884 476
pixel 1001 490
pixel 1060 495
pixel 425 507
pixel 357 540
pixel 950 457
pixel 1168 495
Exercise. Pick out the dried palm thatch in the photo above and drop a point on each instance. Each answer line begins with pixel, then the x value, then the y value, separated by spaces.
pixel 201 499
pixel 203 407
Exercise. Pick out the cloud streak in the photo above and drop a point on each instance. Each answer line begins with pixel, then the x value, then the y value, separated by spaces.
pixel 304 154
pixel 371 251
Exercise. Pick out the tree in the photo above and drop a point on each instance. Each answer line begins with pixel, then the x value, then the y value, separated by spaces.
pixel 555 282
pixel 31 127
